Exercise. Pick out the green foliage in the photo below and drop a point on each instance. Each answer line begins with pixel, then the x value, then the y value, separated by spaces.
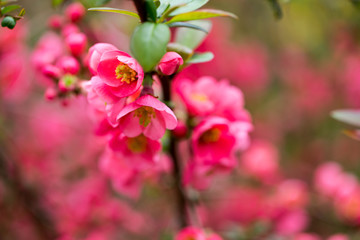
pixel 148 43
pixel 8 22
pixel 356 3
pixel 114 10
pixel 192 38
pixel 351 117
pixel 188 25
pixel 191 6
pixel 201 14
pixel 151 10
pixel 274 4
pixel 56 3
pixel 10 8
pixel 5 2
pixel 201 57
pixel 22 12
pixel 95 3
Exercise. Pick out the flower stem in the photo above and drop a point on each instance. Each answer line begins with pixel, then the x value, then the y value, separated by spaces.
pixel 177 168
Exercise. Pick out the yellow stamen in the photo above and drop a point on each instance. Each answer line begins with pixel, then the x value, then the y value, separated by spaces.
pixel 145 114
pixel 210 136
pixel 125 73
pixel 137 144
pixel 199 97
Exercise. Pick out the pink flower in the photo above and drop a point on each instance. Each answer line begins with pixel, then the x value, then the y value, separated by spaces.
pixel 214 143
pixel 193 233
pixel 261 160
pixel 197 95
pixel 170 63
pixel 103 100
pixel 291 194
pixel 120 72
pixel 338 237
pixel 76 43
pixel 146 115
pixel 206 96
pixel 292 222
pixel 139 151
pixel 68 64
pixel 124 177
pixel 95 52
pixel 306 236
pixel 75 11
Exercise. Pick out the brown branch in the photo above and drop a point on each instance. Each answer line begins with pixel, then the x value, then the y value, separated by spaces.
pixel 182 201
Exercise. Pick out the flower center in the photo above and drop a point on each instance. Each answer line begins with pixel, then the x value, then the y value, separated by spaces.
pixel 125 73
pixel 210 136
pixel 137 144
pixel 145 114
pixel 199 97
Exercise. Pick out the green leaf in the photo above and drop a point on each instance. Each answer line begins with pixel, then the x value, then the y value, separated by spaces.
pixel 56 3
pixel 188 25
pixel 10 8
pixel 114 10
pixel 356 3
pixel 22 12
pixel 201 57
pixel 8 22
pixel 184 51
pixel 347 116
pixel 192 38
pixel 150 10
pixel 162 8
pixel 191 6
pixel 201 14
pixel 94 3
pixel 148 43
pixel 4 2
pixel 274 4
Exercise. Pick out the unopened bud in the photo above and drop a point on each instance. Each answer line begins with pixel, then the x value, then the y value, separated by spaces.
pixel 75 12
pixel 170 63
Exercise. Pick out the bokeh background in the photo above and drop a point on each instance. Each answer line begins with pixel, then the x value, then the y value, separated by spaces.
pixel 293 72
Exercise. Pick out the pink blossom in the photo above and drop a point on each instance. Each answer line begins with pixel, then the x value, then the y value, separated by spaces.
pixel 95 52
pixel 125 178
pixel 140 150
pixel 103 100
pixel 68 64
pixel 120 72
pixel 75 11
pixel 191 233
pixel 69 29
pixel 76 43
pixel 338 237
pixel 207 96
pixel 51 71
pixel 292 222
pixel 146 115
pixel 261 160
pixel 306 236
pixel 213 143
pixel 194 233
pixel 170 63
pixel 48 49
pixel 55 21
pixel 291 194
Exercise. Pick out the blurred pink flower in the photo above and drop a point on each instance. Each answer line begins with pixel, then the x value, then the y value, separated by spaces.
pixel 261 160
